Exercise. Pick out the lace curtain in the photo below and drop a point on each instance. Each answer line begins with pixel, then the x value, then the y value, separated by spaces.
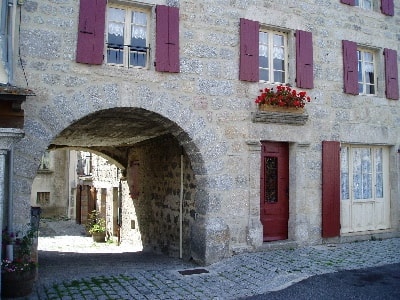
pixel 117 22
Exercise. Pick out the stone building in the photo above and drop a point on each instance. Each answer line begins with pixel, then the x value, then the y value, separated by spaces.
pixel 166 90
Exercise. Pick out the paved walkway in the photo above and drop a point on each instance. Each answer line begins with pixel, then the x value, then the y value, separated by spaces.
pixel 90 273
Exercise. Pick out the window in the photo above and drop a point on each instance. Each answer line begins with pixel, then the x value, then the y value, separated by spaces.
pixel 43 198
pixel 45 161
pixel 361 173
pixel 127 32
pixel 387 6
pixel 272 56
pixel 366 72
pixel 366 4
pixel 84 165
pixel 264 55
pixel 127 37
pixel 360 68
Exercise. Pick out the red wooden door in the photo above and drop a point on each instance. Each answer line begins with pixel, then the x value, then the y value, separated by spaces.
pixel 274 210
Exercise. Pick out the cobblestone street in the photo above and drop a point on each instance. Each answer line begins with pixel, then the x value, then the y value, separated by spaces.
pixel 104 271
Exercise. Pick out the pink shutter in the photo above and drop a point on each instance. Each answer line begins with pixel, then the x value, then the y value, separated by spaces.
pixel 350 67
pixel 304 60
pixel 249 40
pixel 387 7
pixel 330 189
pixel 90 45
pixel 391 74
pixel 348 2
pixel 167 39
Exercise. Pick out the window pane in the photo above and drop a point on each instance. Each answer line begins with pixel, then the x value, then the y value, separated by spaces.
pixel 116 14
pixel 115 56
pixel 379 173
pixel 362 173
pixel 344 173
pixel 360 71
pixel 271 179
pixel 370 89
pixel 115 37
pixel 263 61
pixel 139 29
pixel 360 88
pixel 137 59
pixel 368 57
pixel 368 4
pixel 279 76
pixel 279 64
pixel 264 74
pixel 278 40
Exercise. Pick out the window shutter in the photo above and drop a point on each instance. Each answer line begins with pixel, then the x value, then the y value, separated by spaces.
pixel 387 7
pixel 349 2
pixel 167 39
pixel 304 60
pixel 330 189
pixel 350 67
pixel 249 49
pixel 90 45
pixel 391 74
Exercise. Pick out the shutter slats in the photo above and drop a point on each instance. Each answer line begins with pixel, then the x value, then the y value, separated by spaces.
pixel 387 7
pixel 304 60
pixel 391 74
pixel 90 44
pixel 249 50
pixel 350 67
pixel 330 189
pixel 167 39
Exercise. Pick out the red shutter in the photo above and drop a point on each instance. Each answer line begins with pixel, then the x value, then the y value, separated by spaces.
pixel 350 67
pixel 349 2
pixel 387 7
pixel 90 46
pixel 330 189
pixel 391 74
pixel 167 39
pixel 304 60
pixel 249 40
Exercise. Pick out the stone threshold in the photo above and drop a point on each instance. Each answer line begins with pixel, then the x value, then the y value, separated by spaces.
pixel 278 245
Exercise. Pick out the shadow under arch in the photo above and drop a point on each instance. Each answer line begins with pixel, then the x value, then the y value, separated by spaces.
pixel 114 132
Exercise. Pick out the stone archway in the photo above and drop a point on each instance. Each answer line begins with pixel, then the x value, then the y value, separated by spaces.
pixel 112 130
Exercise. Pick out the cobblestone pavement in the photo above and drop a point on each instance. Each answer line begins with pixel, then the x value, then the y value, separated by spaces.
pixel 73 267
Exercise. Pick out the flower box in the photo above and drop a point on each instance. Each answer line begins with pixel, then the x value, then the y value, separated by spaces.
pixel 280 117
pixel 281 109
pixel 17 284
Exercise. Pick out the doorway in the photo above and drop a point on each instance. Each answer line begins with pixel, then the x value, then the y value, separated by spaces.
pixel 274 200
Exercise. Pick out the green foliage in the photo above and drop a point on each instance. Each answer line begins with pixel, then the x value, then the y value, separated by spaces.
pixel 95 223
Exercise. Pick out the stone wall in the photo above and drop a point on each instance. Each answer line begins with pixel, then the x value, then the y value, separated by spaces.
pixel 208 110
pixel 157 202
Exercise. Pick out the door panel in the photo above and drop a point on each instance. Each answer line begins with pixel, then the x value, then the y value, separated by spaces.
pixel 274 210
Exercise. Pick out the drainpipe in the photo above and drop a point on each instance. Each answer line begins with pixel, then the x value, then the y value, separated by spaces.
pixel 181 209
pixel 10 225
pixel 12 11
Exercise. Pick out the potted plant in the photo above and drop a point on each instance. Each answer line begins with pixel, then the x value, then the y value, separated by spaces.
pixel 18 274
pixel 284 98
pixel 96 226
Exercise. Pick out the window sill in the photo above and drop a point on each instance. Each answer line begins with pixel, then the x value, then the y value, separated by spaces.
pixel 279 117
pixel 45 171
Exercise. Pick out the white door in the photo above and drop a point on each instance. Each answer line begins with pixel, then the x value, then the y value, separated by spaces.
pixel 365 201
